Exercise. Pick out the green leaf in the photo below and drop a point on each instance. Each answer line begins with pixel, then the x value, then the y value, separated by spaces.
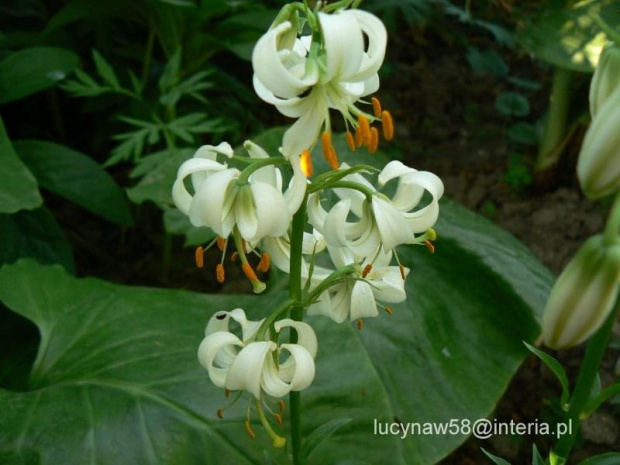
pixel 18 189
pixel 76 177
pixel 488 61
pixel 612 458
pixel 117 381
pixel 178 223
pixel 568 37
pixel 523 133
pixel 512 104
pixel 321 434
pixel 156 186
pixel 34 234
pixel 105 70
pixel 497 460
pixel 33 69
pixel 536 457
pixel 556 368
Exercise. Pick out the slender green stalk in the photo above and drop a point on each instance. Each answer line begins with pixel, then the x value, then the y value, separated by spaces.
pixel 295 293
pixel 585 381
pixel 557 116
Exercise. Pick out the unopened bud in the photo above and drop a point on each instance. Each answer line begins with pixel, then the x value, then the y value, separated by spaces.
pixel 606 78
pixel 583 296
pixel 598 168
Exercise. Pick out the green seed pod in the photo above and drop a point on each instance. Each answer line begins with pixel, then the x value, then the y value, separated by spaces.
pixel 598 168
pixel 583 296
pixel 606 78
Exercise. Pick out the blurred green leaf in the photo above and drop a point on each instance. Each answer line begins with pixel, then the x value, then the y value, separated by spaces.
pixel 178 223
pixel 105 70
pixel 18 187
pixel 512 104
pixel 612 458
pixel 488 61
pixel 34 69
pixel 496 460
pixel 523 133
pixel 567 36
pixel 321 434
pixel 76 177
pixel 34 234
pixel 537 459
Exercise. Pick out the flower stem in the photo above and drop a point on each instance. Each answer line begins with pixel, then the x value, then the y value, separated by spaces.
pixel 585 381
pixel 613 223
pixel 295 293
pixel 256 165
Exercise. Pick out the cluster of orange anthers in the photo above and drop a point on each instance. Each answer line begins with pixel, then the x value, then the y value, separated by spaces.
pixel 263 265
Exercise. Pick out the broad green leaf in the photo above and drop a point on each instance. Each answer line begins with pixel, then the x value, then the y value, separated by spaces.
pixel 496 460
pixel 76 177
pixel 568 37
pixel 34 234
pixel 321 434
pixel 556 368
pixel 512 104
pixel 613 458
pixel 18 187
pixel 33 69
pixel 117 381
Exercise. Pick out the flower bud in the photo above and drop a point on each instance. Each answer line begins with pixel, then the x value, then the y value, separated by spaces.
pixel 598 168
pixel 583 296
pixel 606 78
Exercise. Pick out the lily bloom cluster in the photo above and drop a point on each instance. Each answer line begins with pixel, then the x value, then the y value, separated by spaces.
pixel 309 63
pixel 585 293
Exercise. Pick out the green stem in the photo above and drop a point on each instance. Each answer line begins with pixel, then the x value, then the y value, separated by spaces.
pixel 271 319
pixel 295 293
pixel 612 227
pixel 585 381
pixel 147 55
pixel 330 280
pixel 256 165
pixel 557 116
pixel 345 185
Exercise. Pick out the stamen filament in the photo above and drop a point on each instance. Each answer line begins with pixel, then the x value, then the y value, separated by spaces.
pixel 278 441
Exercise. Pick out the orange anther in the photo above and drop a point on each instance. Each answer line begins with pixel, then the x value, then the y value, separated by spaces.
pixel 429 245
pixel 234 256
pixel 389 310
pixel 367 269
pixel 360 324
pixel 199 256
pixel 388 125
pixel 306 163
pixel 226 392
pixel 278 419
pixel 376 107
pixel 358 137
pixel 281 405
pixel 364 126
pixel 333 158
pixel 374 140
pixel 402 271
pixel 248 429
pixel 249 272
pixel 350 141
pixel 219 273
pixel 220 413
pixel 263 266
pixel 326 143
pixel 221 243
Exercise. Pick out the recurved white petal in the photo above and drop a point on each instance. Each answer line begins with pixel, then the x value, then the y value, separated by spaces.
pixel 217 353
pixel 207 206
pixel 363 303
pixel 391 223
pixel 306 336
pixel 374 29
pixel 387 284
pixel 271 211
pixel 245 212
pixel 298 369
pixel 294 194
pixel 303 134
pixel 246 372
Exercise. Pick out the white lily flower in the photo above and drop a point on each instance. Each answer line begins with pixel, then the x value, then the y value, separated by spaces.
pixel 381 221
pixel 252 367
pixel 223 199
pixel 305 79
pixel 354 299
